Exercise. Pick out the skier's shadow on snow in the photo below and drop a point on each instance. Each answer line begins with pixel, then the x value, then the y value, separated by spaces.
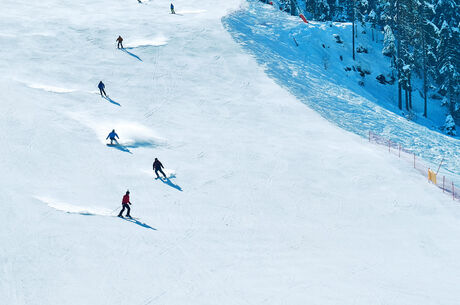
pixel 132 54
pixel 137 222
pixel 168 181
pixel 126 147
pixel 120 148
pixel 112 101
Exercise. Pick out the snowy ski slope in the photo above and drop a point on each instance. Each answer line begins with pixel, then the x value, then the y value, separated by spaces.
pixel 314 73
pixel 268 202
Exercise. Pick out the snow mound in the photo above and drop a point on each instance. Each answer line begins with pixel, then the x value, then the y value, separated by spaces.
pixel 191 12
pixel 155 42
pixel 51 88
pixel 132 135
pixel 74 209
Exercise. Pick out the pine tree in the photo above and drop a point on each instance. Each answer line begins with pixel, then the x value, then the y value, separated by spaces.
pixel 449 58
pixel 389 47
pixel 425 46
pixel 372 18
pixel 447 19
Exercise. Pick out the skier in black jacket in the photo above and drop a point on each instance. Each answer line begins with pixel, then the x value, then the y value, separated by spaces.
pixel 157 167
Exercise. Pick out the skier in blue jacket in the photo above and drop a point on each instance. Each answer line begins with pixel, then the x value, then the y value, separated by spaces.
pixel 172 9
pixel 113 137
pixel 101 87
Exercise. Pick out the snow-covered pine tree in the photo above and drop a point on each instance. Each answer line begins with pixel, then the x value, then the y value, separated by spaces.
pixel 319 9
pixel 407 34
pixel 389 47
pixel 425 43
pixel 448 64
pixel 372 19
pixel 361 11
pixel 448 19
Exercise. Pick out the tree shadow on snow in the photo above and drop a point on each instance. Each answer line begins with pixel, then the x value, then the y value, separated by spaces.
pixel 137 222
pixel 168 181
pixel 112 101
pixel 132 54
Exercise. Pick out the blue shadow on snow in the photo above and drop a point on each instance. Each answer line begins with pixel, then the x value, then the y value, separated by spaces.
pixel 168 181
pixel 132 54
pixel 137 222
pixel 141 144
pixel 120 147
pixel 112 101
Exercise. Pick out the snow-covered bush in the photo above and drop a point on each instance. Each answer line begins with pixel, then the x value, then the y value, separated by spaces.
pixel 449 126
pixel 361 49
pixel 337 38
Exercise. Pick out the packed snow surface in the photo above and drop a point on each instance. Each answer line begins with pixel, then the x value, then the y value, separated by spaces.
pixel 266 202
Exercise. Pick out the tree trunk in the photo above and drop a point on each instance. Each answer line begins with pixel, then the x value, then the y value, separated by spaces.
pixel 293 8
pixel 425 106
pixel 410 99
pixel 353 29
pixel 398 55
pixel 410 92
pixel 407 99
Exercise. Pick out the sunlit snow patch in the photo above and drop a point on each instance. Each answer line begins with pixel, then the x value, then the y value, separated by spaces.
pixel 74 209
pixel 131 134
pixel 155 42
pixel 191 12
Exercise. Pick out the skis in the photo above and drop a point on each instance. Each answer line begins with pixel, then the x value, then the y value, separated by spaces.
pixel 127 217
pixel 137 221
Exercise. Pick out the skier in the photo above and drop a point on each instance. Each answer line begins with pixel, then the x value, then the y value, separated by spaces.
pixel 172 9
pixel 101 87
pixel 125 203
pixel 157 167
pixel 113 137
pixel 120 42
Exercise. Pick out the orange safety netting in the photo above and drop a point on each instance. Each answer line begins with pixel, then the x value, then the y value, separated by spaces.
pixel 442 181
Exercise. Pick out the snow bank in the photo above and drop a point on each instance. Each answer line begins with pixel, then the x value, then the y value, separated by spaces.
pixel 51 88
pixel 155 42
pixel 74 209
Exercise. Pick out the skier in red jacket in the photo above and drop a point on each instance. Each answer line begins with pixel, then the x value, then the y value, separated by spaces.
pixel 125 203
